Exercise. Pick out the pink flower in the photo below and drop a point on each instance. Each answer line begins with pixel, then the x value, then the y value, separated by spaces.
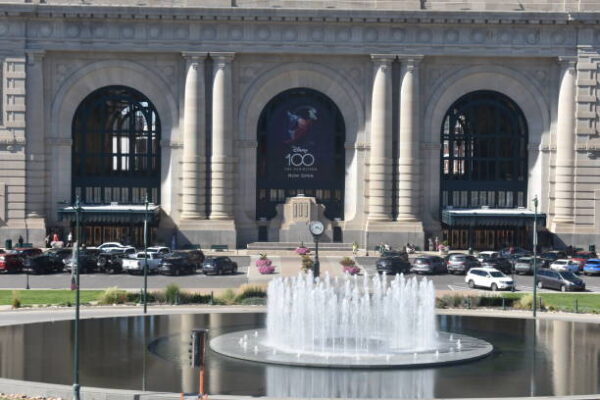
pixel 266 269
pixel 351 269
pixel 302 251
pixel 263 262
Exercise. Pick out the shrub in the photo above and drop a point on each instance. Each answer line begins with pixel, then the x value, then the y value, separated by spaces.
pixel 254 301
pixel 347 262
pixel 524 303
pixel 113 295
pixel 196 298
pixel 307 263
pixel 16 300
pixel 172 293
pixel 250 291
pixel 226 298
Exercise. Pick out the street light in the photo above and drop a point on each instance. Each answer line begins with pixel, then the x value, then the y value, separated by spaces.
pixel 76 387
pixel 146 255
pixel 316 228
pixel 535 240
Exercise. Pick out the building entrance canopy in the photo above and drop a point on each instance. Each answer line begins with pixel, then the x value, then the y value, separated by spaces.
pixel 480 217
pixel 114 214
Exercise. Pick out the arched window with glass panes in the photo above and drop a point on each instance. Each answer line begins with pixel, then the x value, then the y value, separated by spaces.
pixel 116 148
pixel 484 153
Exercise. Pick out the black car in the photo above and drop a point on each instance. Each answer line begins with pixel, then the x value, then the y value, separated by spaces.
pixel 564 281
pixel 393 264
pixel 88 259
pixel 551 256
pixel 500 263
pixel 219 266
pixel 60 254
pixel 110 263
pixel 177 264
pixel 42 264
pixel 429 265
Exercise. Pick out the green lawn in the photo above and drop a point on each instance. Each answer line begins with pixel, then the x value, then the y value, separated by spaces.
pixel 585 302
pixel 31 297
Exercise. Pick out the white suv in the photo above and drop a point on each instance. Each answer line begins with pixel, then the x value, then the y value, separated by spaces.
pixel 563 265
pixel 489 278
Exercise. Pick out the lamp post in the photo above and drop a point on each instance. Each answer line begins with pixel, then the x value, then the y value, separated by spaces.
pixel 76 387
pixel 316 228
pixel 535 240
pixel 146 255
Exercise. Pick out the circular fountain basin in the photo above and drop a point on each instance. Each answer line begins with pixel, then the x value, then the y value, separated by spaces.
pixel 250 345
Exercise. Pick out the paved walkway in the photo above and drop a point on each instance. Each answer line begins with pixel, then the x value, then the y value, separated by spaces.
pixel 291 266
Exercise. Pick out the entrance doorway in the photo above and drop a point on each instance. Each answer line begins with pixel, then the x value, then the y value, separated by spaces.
pixel 133 235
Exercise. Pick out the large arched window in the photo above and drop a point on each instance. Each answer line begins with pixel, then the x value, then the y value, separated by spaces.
pixel 116 148
pixel 301 136
pixel 484 153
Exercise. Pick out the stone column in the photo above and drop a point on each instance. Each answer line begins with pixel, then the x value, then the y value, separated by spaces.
pixel 35 140
pixel 221 163
pixel 380 140
pixel 565 143
pixel 194 139
pixel 408 168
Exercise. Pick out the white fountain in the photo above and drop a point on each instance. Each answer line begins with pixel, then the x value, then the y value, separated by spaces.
pixel 351 322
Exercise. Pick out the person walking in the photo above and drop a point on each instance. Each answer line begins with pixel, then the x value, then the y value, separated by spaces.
pixel 354 247
pixel 70 239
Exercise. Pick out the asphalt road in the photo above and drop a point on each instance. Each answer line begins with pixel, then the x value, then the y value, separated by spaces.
pixel 199 281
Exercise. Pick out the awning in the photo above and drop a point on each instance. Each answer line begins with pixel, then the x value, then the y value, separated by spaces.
pixel 114 213
pixel 509 217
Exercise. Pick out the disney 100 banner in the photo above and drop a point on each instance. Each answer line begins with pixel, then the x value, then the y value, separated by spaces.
pixel 300 142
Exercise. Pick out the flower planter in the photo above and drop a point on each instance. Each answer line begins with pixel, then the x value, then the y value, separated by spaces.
pixel 351 269
pixel 302 251
pixel 263 262
pixel 266 269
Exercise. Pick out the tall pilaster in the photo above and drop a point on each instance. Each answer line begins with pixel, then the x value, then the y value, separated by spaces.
pixel 380 141
pixel 408 168
pixel 35 168
pixel 221 159
pixel 565 144
pixel 194 139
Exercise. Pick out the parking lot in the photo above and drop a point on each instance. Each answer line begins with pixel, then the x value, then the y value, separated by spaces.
pixel 524 283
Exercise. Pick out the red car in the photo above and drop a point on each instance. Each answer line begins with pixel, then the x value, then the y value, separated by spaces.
pixel 581 258
pixel 11 263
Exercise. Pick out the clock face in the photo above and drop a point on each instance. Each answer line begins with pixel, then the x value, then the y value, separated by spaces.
pixel 316 228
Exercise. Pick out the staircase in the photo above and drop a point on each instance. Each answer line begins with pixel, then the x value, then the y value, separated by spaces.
pixel 290 246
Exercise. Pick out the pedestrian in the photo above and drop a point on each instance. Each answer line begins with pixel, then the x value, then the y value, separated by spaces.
pixel 20 241
pixel 430 244
pixel 354 247
pixel 47 241
pixel 437 243
pixel 55 237
pixel 70 239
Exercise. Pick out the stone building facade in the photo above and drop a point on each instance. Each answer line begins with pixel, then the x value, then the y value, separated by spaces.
pixel 393 70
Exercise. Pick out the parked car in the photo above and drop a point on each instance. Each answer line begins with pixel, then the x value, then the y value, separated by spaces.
pixel 11 263
pixel 127 251
pixel 392 264
pixel 25 252
pixel 42 264
pixel 524 265
pixel 177 264
pixel 60 254
pixel 486 255
pixel 219 265
pixel 196 257
pixel 458 263
pixel 395 253
pixel 565 265
pixel 514 252
pixel 563 280
pixel 501 264
pixel 136 263
pixel 88 260
pixel 553 255
pixel 111 263
pixel 489 278
pixel 159 249
pixel 592 267
pixel 581 258
pixel 429 265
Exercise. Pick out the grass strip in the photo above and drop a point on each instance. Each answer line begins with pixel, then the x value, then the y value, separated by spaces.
pixel 33 296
